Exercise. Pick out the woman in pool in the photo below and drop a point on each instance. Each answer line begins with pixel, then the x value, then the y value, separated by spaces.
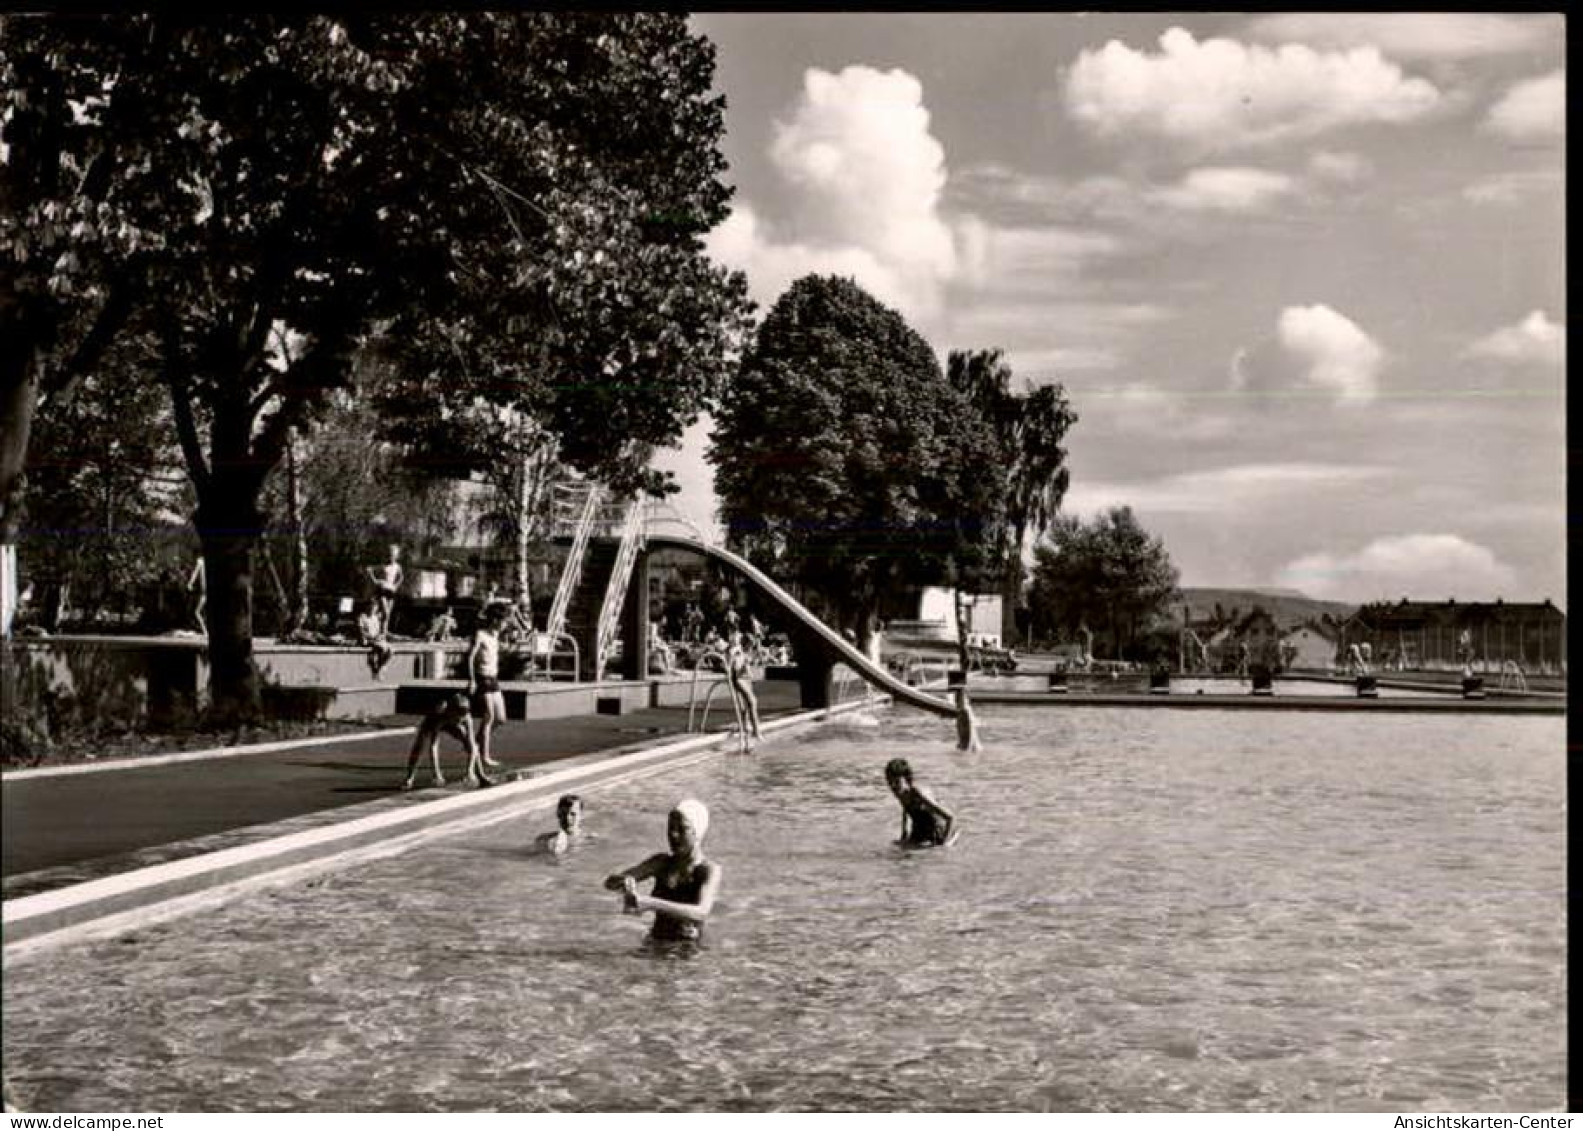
pixel 685 883
pixel 924 822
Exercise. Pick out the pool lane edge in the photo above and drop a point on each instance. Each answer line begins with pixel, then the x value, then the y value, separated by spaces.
pixel 114 904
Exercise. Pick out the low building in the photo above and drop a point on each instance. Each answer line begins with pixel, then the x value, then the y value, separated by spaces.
pixel 1308 647
pixel 1424 636
pixel 935 617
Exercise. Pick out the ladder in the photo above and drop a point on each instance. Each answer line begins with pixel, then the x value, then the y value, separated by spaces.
pixel 632 528
pixel 572 572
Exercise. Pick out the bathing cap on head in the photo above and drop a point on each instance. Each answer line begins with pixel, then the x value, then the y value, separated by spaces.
pixel 898 768
pixel 697 815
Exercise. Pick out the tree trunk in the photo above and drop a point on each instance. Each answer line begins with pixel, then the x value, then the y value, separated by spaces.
pixel 960 607
pixel 228 524
pixel 524 523
pixel 297 616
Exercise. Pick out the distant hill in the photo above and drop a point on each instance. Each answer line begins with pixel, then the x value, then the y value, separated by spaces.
pixel 1287 606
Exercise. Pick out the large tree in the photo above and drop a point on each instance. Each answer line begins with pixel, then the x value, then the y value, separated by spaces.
pixel 1110 576
pixel 845 461
pixel 1029 430
pixel 516 193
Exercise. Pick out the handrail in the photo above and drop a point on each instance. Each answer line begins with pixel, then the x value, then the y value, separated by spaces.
pixel 616 589
pixel 692 694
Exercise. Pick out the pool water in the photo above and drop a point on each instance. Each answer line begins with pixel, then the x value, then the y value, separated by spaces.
pixel 1150 910
pixel 1194 685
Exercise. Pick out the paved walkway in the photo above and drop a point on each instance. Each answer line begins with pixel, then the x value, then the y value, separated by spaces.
pixel 64 822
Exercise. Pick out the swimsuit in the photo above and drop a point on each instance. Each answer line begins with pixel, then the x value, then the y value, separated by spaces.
pixel 687 889
pixel 926 827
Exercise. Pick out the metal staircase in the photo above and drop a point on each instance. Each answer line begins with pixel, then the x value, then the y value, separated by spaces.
pixel 572 572
pixel 632 532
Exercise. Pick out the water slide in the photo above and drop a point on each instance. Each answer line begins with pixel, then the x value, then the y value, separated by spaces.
pixel 854 659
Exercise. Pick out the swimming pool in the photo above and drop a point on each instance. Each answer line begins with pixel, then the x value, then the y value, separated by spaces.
pixel 1147 910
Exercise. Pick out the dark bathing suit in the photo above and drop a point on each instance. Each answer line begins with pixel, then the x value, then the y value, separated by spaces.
pixel 926 827
pixel 685 890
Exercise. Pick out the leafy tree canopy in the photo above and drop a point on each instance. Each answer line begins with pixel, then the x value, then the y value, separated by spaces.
pixel 844 460
pixel 515 199
pixel 1107 575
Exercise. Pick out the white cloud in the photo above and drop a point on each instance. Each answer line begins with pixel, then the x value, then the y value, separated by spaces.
pixel 868 175
pixel 1142 409
pixel 1534 341
pixel 744 242
pixel 1223 94
pixel 1225 490
pixel 1417 566
pixel 1412 35
pixel 1347 168
pixel 1228 189
pixel 1513 187
pixel 1019 259
pixel 1335 352
pixel 1532 110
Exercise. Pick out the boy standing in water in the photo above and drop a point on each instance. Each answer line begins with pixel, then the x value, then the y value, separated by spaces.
pixel 924 822
pixel 483 678
pixel 966 724
pixel 685 883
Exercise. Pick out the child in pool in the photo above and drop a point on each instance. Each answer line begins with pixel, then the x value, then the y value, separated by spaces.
pixel 924 821
pixel 685 882
pixel 569 816
pixel 966 723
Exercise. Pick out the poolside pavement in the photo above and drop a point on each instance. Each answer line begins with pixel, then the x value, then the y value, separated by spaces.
pixel 58 828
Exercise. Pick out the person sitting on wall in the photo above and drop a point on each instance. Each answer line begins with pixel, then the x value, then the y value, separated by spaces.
pixel 370 634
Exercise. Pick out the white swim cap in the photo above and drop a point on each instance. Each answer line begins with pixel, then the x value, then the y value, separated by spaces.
pixel 697 815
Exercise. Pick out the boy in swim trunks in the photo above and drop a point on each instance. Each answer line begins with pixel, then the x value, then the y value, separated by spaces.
pixel 450 717
pixel 966 724
pixel 924 822
pixel 387 581
pixel 483 679
pixel 685 883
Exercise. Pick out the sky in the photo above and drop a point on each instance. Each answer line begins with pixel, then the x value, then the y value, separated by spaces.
pixel 1301 276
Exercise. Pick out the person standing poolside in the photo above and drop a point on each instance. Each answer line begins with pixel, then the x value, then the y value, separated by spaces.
pixel 569 816
pixel 450 717
pixel 739 682
pixel 387 581
pixel 966 723
pixel 483 679
pixel 685 882
pixel 924 822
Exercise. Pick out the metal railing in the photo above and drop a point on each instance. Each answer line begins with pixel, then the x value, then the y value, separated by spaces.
pixel 572 572
pixel 632 529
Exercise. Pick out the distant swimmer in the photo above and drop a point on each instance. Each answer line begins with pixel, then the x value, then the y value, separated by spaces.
pixel 966 723
pixel 569 816
pixel 685 883
pixel 924 822
pixel 450 717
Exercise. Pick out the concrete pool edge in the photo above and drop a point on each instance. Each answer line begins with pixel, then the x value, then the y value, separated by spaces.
pixel 113 904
